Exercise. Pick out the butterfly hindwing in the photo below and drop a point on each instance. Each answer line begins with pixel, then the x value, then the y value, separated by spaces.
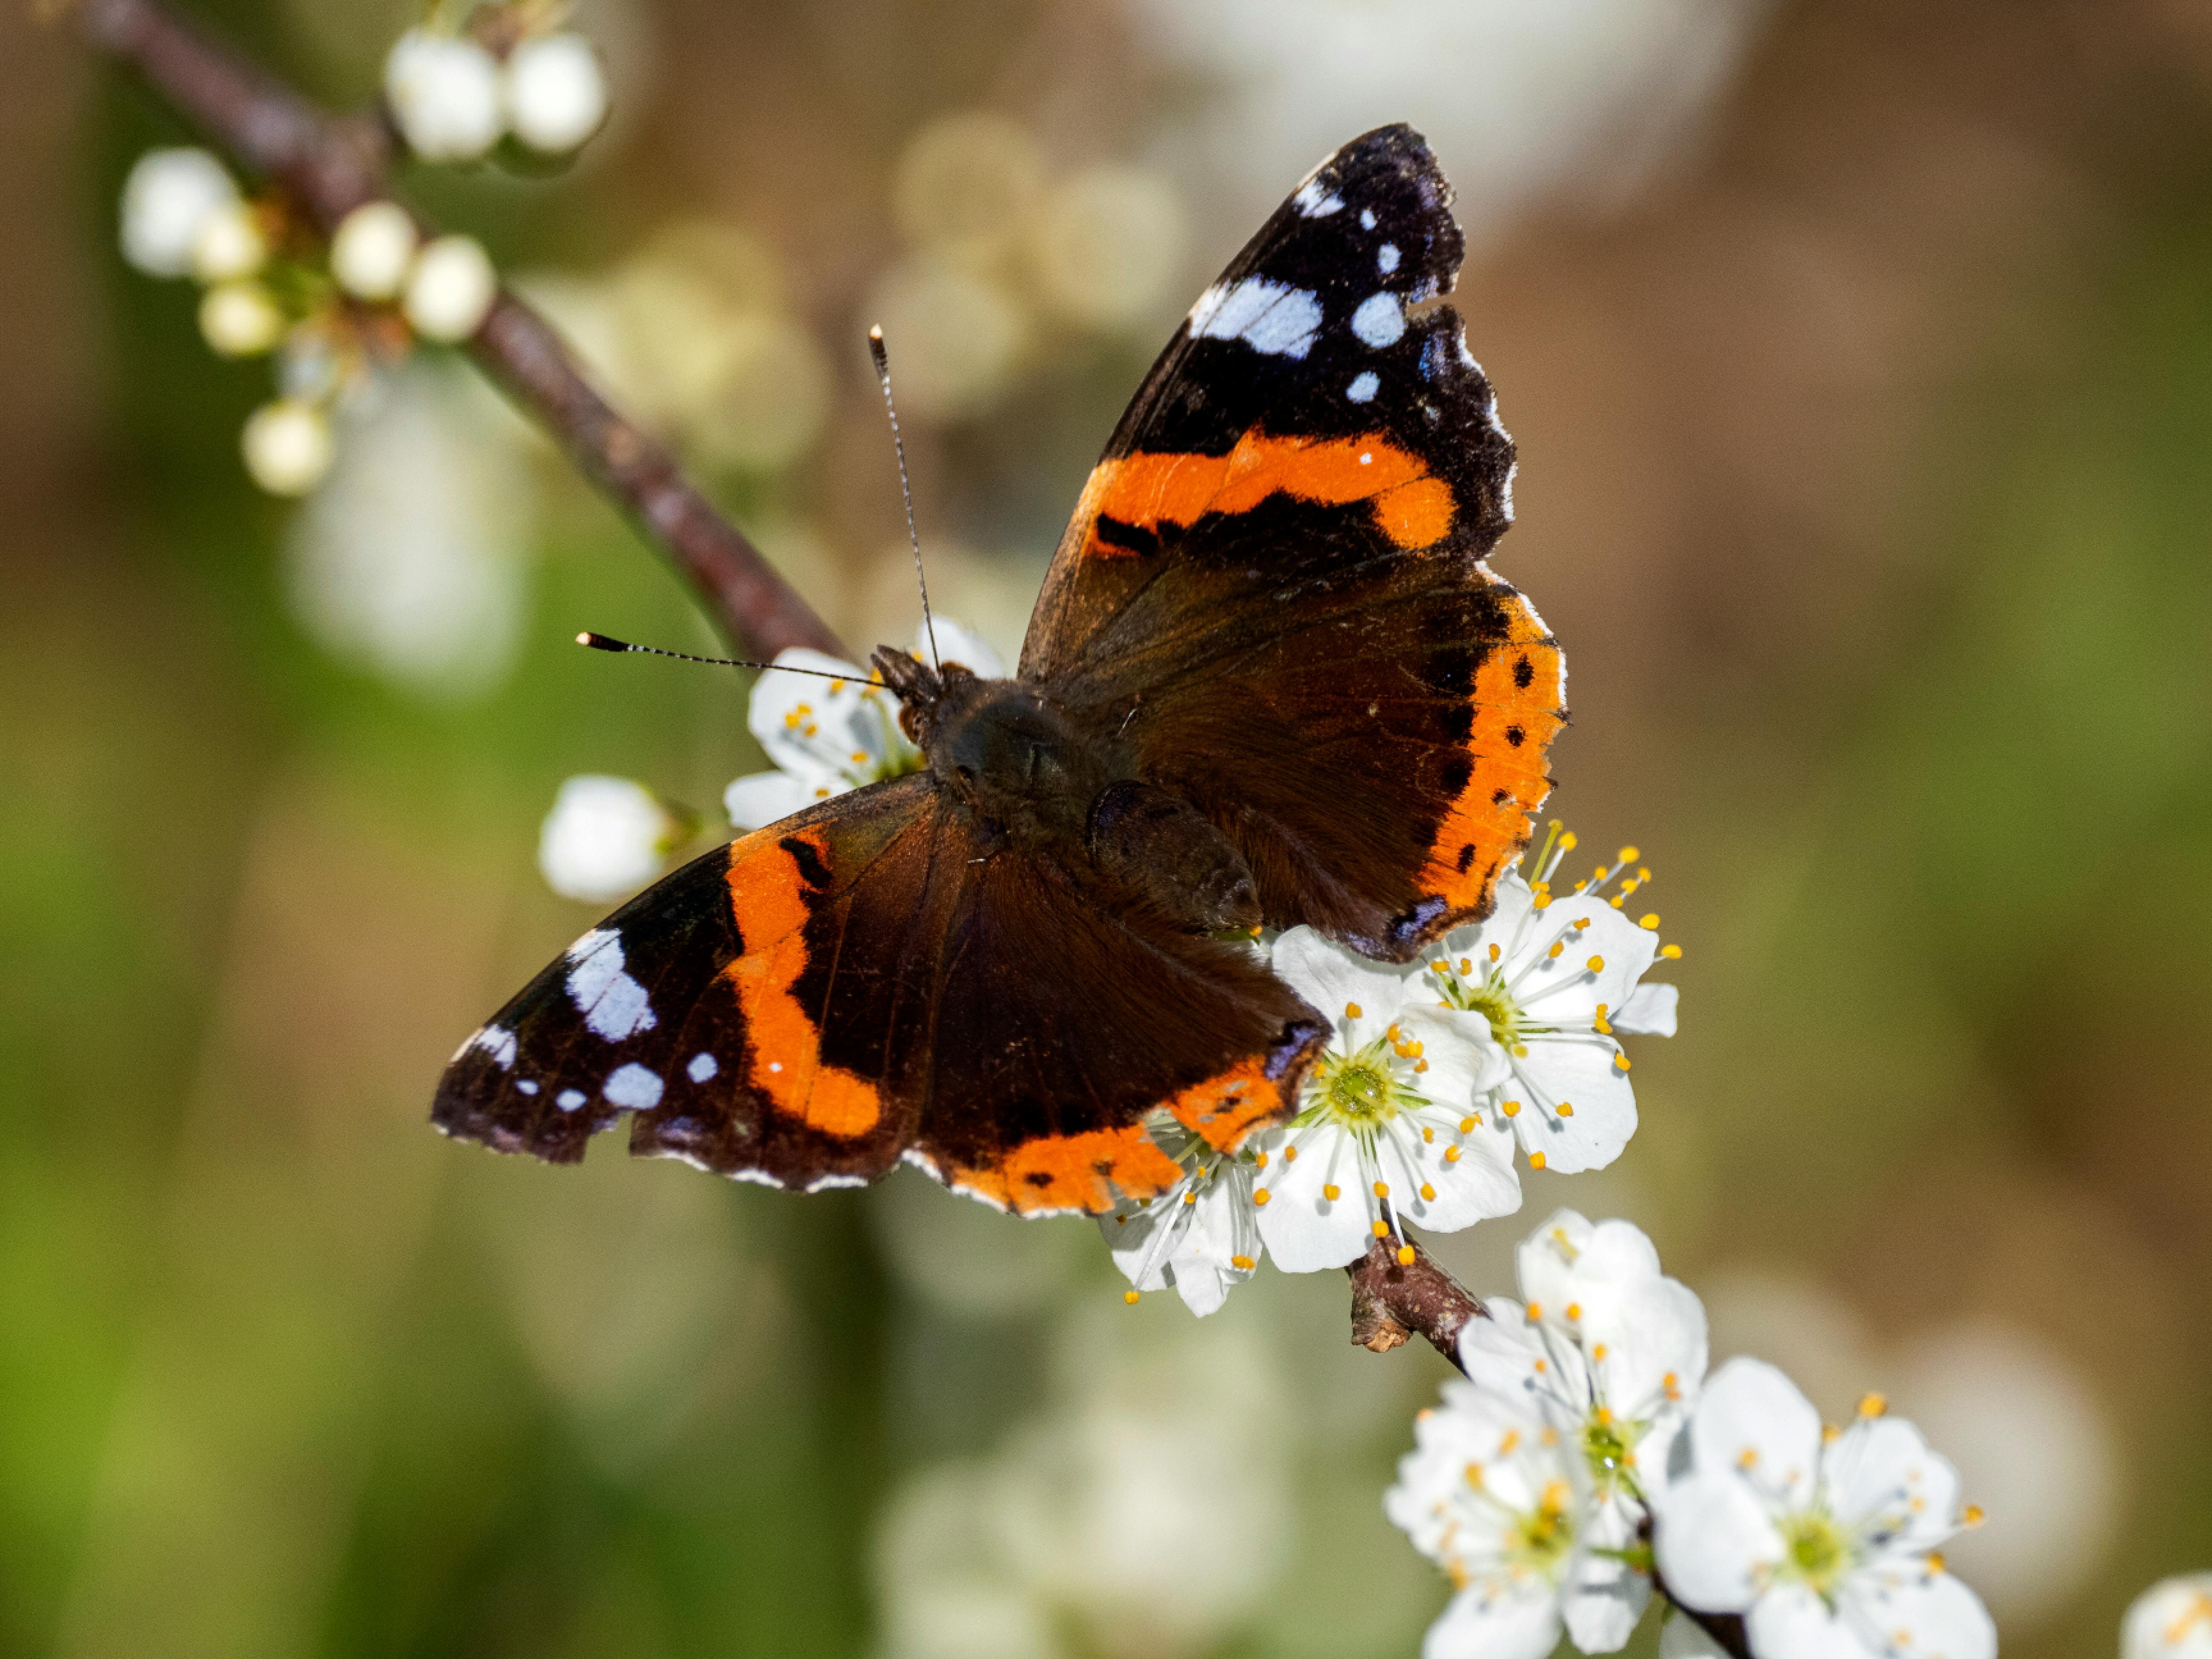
pixel 1274 588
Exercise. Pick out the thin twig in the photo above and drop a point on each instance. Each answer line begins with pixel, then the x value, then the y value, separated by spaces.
pixel 330 165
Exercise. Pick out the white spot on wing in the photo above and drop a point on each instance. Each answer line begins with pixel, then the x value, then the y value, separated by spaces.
pixel 613 1004
pixel 1386 257
pixel 1363 386
pixel 702 1067
pixel 633 1086
pixel 1315 203
pixel 1272 317
pixel 775 1066
pixel 1367 218
pixel 497 1042
pixel 824 1183
pixel 568 1099
pixel 1379 321
pixel 527 1086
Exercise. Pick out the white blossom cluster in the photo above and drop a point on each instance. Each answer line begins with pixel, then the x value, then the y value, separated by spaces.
pixel 1589 1458
pixel 334 314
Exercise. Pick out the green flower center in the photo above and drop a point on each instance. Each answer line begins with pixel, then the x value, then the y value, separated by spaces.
pixel 1360 1091
pixel 1816 1550
pixel 1607 1443
pixel 1491 1000
pixel 1541 1540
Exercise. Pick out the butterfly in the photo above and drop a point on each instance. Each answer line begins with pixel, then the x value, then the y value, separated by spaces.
pixel 1269 680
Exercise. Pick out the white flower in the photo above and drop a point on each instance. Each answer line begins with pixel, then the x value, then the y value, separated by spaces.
pixel 605 838
pixel 240 319
pixel 1557 980
pixel 1387 1134
pixel 287 446
pixel 372 250
pixel 556 93
pixel 444 94
pixel 1604 1351
pixel 2172 1618
pixel 826 737
pixel 450 289
pixel 169 196
pixel 1825 1543
pixel 1201 1235
pixel 229 245
pixel 1499 1499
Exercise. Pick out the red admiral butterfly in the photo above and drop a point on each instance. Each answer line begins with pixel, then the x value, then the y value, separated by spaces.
pixel 1268 681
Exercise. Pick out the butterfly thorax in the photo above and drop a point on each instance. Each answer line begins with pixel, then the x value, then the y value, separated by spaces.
pixel 1044 783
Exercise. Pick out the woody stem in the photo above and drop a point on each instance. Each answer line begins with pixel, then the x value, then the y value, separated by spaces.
pixel 1393 1300
pixel 330 165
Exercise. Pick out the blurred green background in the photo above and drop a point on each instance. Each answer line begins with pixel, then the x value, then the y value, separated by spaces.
pixel 1861 359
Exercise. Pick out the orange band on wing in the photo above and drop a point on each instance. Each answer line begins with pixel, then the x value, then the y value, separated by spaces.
pixel 1518 691
pixel 768 894
pixel 1073 1172
pixel 1412 506
pixel 1225 1110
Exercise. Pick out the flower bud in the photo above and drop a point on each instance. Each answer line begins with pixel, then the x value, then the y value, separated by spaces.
pixel 168 197
pixel 288 447
pixel 605 838
pixel 240 318
pixel 444 95
pixel 373 248
pixel 451 289
pixel 229 245
pixel 556 93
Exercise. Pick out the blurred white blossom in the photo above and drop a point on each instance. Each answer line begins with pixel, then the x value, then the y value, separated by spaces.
pixel 168 198
pixel 229 245
pixel 1107 244
pixel 605 838
pixel 555 91
pixel 240 318
pixel 287 446
pixel 444 94
pixel 450 289
pixel 1825 1543
pixel 409 561
pixel 1201 1235
pixel 966 184
pixel 825 736
pixel 372 249
pixel 956 336
pixel 2172 1620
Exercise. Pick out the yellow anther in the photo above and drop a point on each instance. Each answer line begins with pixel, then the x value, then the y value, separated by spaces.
pixel 790 722
pixel 1428 1135
pixel 1535 1311
pixel 1520 1051
pixel 1620 898
pixel 1382 1230
pixel 860 756
pixel 1671 952
pixel 1673 1385
pixel 1630 854
pixel 1972 1516
pixel 1603 1414
pixel 1381 1189
pixel 1243 1264
pixel 1404 1256
pixel 1829 1431
pixel 1600 873
pixel 1290 1155
pixel 1451 1154
pixel 1263 1160
pixel 1466 966
pixel 1934 1560
pixel 1420 1065
pixel 1493 953
pixel 1581 922
pixel 822 794
pixel 1574 1310
pixel 1567 840
pixel 1260 1195
pixel 1535 1160
pixel 1512 1108
pixel 836 686
pixel 1551 1438
pixel 804 707
pixel 1189 1197
pixel 1649 921
pixel 1601 1025
pixel 1597 964
pixel 1621 1060
pixel 1566 1109
pixel 1428 1192
pixel 1643 875
pixel 1467 1124
pixel 1506 1447
pixel 1749 1458
pixel 1874 1405
pixel 1541 1366
pixel 1394 1034
pixel 1542 902
pixel 1599 1353
pixel 811 730
pixel 1558 948
pixel 1352 1010
pixel 1474 1474
pixel 1332 1192
pixel 1129 1296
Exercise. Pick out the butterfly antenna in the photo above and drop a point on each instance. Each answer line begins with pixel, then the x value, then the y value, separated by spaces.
pixel 605 642
pixel 882 361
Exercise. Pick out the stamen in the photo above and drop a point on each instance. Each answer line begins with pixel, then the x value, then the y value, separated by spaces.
pixel 1129 1296
pixel 1289 1155
pixel 1404 1256
pixel 1566 1109
pixel 1599 1353
pixel 1574 1310
pixel 1352 1010
pixel 1535 1160
pixel 1597 964
pixel 1467 1124
pixel 1382 1230
pixel 1874 1405
pixel 1451 1154
pixel 1649 922
pixel 1494 954
pixel 1535 1311
pixel 1428 1193
pixel 1512 1108
pixel 1558 948
pixel 1621 1060
pixel 1671 952
pixel 1260 1195
pixel 1332 1192
pixel 1243 1264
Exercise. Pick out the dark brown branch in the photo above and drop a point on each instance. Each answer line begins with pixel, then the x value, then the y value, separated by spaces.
pixel 331 165
pixel 1392 1301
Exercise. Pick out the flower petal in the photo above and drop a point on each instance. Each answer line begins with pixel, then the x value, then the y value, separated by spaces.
pixel 1443 1196
pixel 957 644
pixel 809 727
pixel 1484 1622
pixel 1790 1622
pixel 1883 1479
pixel 2172 1620
pixel 1605 1597
pixel 1304 1229
pixel 1579 1073
pixel 759 798
pixel 1649 1010
pixel 1712 1537
pixel 1923 1611
pixel 1335 981
pixel 1464 1059
pixel 1755 1424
